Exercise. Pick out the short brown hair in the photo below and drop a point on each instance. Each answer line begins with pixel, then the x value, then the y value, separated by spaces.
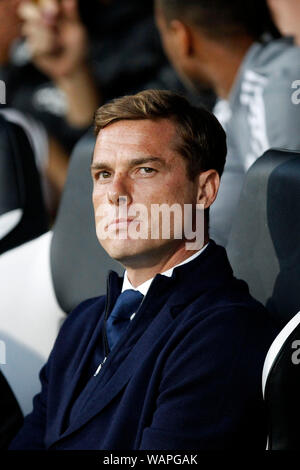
pixel 202 140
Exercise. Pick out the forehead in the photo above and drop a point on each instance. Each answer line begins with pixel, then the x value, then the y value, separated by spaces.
pixel 139 136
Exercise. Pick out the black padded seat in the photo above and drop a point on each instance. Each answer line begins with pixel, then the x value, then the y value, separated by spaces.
pixel 264 244
pixel 79 264
pixel 281 384
pixel 22 209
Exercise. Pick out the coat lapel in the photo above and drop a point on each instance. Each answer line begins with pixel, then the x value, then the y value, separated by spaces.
pixel 103 390
pixel 76 367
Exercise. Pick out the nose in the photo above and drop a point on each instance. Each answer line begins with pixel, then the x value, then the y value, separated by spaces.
pixel 119 192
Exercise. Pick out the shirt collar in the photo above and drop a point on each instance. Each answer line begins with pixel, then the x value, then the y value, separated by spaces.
pixel 143 288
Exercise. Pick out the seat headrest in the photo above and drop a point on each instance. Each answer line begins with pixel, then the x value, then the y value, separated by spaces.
pixel 78 262
pixel 12 190
pixel 22 210
pixel 282 388
pixel 264 245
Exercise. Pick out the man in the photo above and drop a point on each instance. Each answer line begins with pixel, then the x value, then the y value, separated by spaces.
pixel 180 367
pixel 230 47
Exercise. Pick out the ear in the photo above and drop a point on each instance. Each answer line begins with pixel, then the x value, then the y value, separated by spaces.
pixel 208 186
pixel 183 38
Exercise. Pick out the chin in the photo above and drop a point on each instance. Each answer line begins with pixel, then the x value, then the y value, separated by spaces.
pixel 123 249
pixel 131 252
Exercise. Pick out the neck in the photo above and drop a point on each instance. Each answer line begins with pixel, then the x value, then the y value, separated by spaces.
pixel 223 62
pixel 138 275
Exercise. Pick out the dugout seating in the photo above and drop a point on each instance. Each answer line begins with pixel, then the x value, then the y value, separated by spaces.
pixel 264 249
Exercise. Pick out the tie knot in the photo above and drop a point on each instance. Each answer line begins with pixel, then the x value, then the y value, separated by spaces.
pixel 126 304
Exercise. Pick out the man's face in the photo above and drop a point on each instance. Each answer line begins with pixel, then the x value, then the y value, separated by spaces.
pixel 136 159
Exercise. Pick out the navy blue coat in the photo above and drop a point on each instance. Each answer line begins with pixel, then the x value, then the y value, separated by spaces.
pixel 185 375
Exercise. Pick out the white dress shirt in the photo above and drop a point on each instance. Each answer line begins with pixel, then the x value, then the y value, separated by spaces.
pixel 143 288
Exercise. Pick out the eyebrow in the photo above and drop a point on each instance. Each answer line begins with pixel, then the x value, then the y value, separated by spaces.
pixel 136 161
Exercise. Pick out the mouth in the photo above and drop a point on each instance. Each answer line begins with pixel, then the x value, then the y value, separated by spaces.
pixel 119 224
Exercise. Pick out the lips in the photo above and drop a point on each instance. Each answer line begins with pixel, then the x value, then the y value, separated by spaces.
pixel 119 224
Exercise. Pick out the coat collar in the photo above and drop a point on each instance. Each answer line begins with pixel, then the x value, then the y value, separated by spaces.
pixel 200 269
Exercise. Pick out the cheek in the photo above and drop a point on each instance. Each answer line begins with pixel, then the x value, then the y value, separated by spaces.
pixel 99 194
pixel 178 187
pixel 98 200
pixel 95 199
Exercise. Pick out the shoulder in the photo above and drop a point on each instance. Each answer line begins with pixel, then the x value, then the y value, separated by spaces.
pixel 224 340
pixel 232 308
pixel 270 69
pixel 227 320
pixel 273 57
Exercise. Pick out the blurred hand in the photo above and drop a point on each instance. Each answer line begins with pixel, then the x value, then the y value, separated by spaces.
pixel 57 39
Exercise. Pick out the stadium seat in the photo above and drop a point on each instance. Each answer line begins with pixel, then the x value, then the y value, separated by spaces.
pixel 264 249
pixel 281 387
pixel 22 218
pixel 264 244
pixel 22 210
pixel 42 280
pixel 79 264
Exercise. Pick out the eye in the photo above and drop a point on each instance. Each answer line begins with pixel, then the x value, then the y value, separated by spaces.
pixel 104 174
pixel 101 175
pixel 145 170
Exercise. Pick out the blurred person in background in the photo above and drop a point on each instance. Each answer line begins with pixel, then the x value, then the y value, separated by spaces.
pixel 10 31
pixel 85 53
pixel 286 14
pixel 235 48
pixel 18 78
pixel 74 56
pixel 92 51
